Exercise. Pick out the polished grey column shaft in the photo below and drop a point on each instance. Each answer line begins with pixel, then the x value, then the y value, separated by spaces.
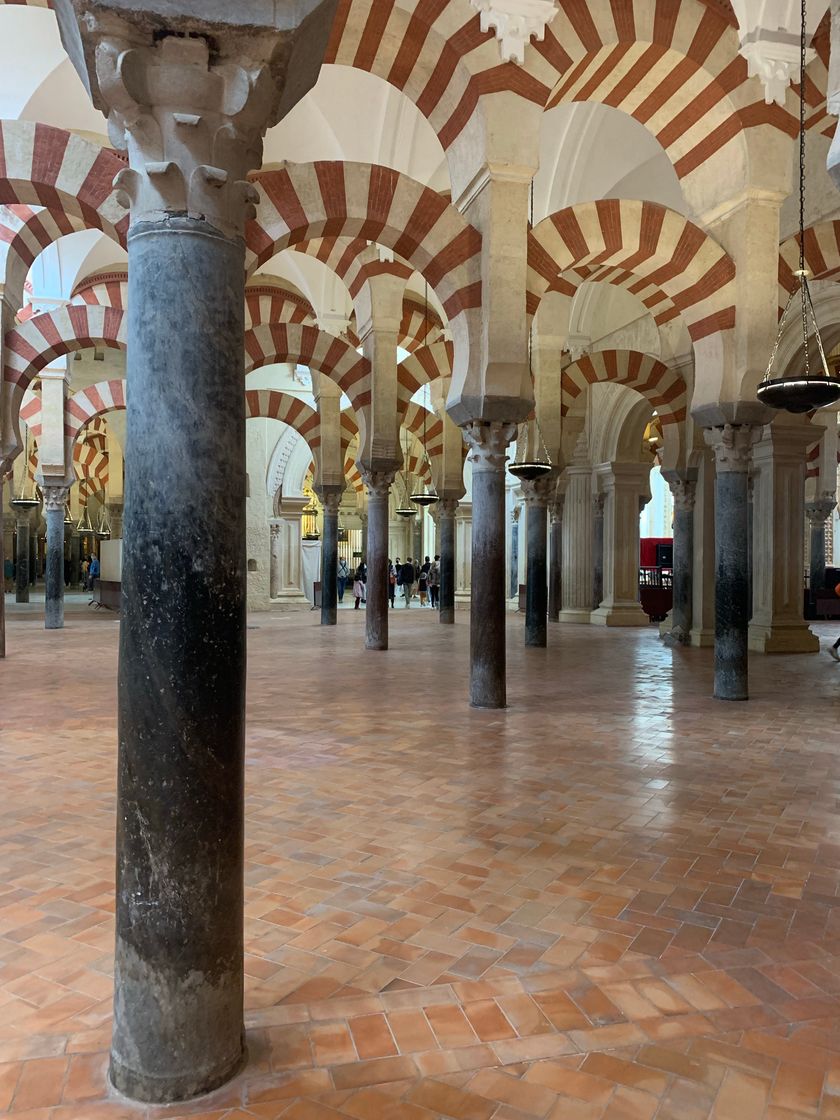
pixel 22 531
pixel 818 513
pixel 329 560
pixel 555 565
pixel 488 442
pixel 376 617
pixel 684 492
pixel 75 559
pixel 178 1001
pixel 54 499
pixel 536 587
pixel 447 508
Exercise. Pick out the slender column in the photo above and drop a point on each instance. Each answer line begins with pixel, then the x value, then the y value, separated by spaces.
pixel 417 539
pixel 536 582
pixel 191 112
pixel 732 445
pixel 684 492
pixel 488 442
pixel 514 551
pixel 555 560
pixel 597 549
pixel 75 559
pixel 378 485
pixel 33 549
pixel 331 500
pixel 446 510
pixel 818 513
pixel 55 498
pixel 22 524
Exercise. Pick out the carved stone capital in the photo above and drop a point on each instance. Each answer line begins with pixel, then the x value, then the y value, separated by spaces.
pixel 447 507
pixel 537 493
pixel 556 511
pixel 684 492
pixel 330 498
pixel 732 445
pixel 377 483
pixel 488 441
pixel 515 23
pixel 820 510
pixel 55 498
pixel 191 104
pixel 598 501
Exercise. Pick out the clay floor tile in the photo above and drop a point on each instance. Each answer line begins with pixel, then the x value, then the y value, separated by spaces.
pixel 527 1097
pixel 40 1084
pixel 360 1074
pixel 332 1044
pixel 488 1021
pixel 445 1100
pixel 372 1036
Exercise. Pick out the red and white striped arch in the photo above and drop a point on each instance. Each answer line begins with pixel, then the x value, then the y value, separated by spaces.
pixel 266 304
pixel 302 201
pixel 415 418
pixel 92 402
pixel 272 404
pixel 418 323
pixel 822 257
pixel 294 342
pixel 90 461
pixel 353 259
pixel 665 389
pixel 68 175
pixel 105 289
pixel 659 255
pixel 426 364
pixel 32 345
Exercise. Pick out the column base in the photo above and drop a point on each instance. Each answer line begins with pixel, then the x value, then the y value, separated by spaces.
pixel 141 1087
pixel 293 601
pixel 462 600
pixel 702 638
pixel 576 615
pixel 792 637
pixel 627 615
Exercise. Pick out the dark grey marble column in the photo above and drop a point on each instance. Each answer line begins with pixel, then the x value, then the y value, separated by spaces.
pixel 75 559
pixel 555 559
pixel 684 491
pixel 33 549
pixel 178 1005
pixel 488 443
pixel 818 513
pixel 55 498
pixel 514 551
pixel 417 539
pixel 536 586
pixel 378 484
pixel 597 549
pixel 446 512
pixel 22 553
pixel 331 499
pixel 732 445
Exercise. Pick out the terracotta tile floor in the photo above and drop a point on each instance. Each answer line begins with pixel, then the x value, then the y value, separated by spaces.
pixel 617 899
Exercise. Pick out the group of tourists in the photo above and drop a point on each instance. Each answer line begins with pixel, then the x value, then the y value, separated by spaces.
pixel 415 581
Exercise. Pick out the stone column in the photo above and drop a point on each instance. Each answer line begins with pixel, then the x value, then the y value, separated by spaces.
pixel 75 559
pixel 536 581
pixel 115 516
pixel 330 499
pixel 777 624
pixel 488 442
pixel 446 511
pixel 555 560
pixel 191 111
pixel 598 501
pixel 732 445
pixel 274 561
pixel 684 492
pixel 514 551
pixel 577 545
pixel 22 552
pixel 55 498
pixel 818 513
pixel 621 484
pixel 378 484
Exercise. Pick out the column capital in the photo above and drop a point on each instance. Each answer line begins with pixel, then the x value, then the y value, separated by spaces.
pixel 732 445
pixel 448 507
pixel 820 510
pixel 377 483
pixel 598 501
pixel 330 497
pixel 684 493
pixel 488 441
pixel 55 498
pixel 538 492
pixel 556 509
pixel 191 106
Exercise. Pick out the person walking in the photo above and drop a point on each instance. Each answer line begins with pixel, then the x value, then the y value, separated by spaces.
pixel 407 578
pixel 93 572
pixel 392 582
pixel 434 582
pixel 422 586
pixel 358 588
pixel 343 576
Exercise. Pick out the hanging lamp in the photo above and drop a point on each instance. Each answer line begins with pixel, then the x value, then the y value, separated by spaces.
pixel 805 390
pixel 68 520
pixel 83 526
pixel 405 511
pixel 310 520
pixel 103 528
pixel 426 498
pixel 529 470
pixel 21 501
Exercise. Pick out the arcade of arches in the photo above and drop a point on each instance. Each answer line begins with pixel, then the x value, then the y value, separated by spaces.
pixel 566 844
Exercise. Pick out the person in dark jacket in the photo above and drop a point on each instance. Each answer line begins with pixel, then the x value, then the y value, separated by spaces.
pixel 406 580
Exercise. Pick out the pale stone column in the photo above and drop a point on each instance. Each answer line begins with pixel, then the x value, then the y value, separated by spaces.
pixel 818 513
pixel 378 484
pixel 684 491
pixel 777 624
pixel 732 445
pixel 190 97
pixel 577 545
pixel 536 581
pixel 447 508
pixel 463 552
pixel 598 502
pixel 488 443
pixel 621 484
pixel 55 499
pixel 555 559
pixel 330 499
pixel 275 561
